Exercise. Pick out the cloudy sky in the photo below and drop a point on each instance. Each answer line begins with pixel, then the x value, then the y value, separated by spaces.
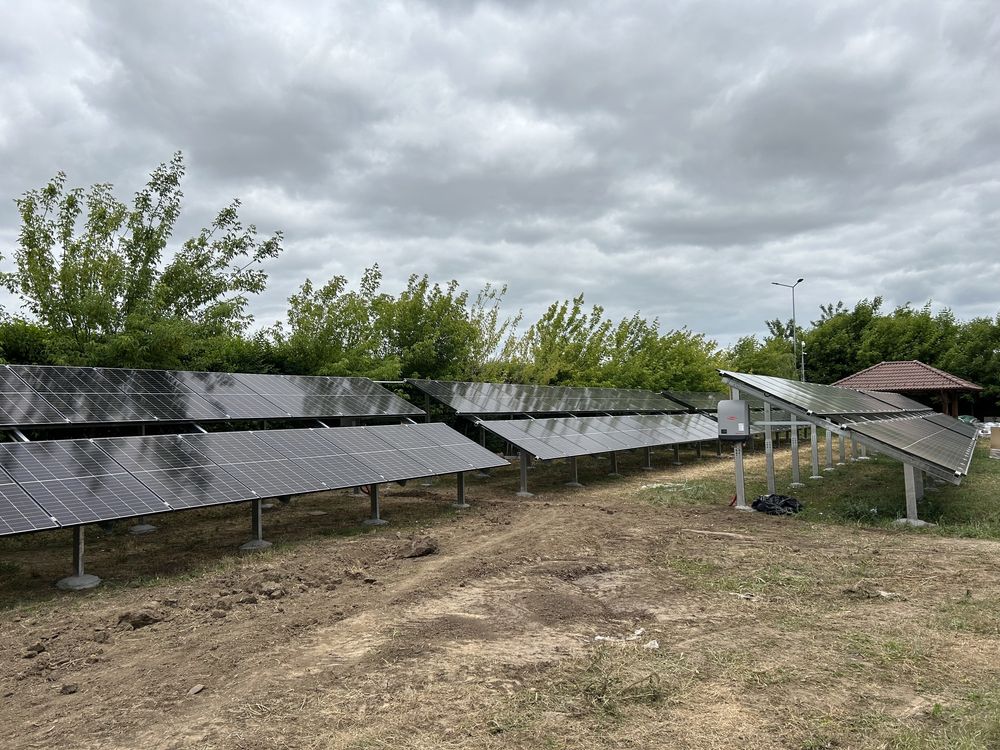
pixel 670 157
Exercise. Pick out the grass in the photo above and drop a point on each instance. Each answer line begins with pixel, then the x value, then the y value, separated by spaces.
pixel 970 724
pixel 871 494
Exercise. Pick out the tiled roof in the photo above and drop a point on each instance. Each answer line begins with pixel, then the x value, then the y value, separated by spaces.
pixel 907 375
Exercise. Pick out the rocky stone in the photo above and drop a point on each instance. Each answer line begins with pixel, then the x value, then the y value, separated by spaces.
pixel 420 547
pixel 196 689
pixel 271 589
pixel 69 688
pixel 140 618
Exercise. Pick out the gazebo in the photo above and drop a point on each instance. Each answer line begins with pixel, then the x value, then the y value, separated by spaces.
pixel 913 378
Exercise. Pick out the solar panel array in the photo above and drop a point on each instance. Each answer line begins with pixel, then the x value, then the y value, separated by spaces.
pixel 565 437
pixel 50 484
pixel 932 439
pixel 839 405
pixel 707 401
pixel 41 396
pixel 507 398
pixel 892 423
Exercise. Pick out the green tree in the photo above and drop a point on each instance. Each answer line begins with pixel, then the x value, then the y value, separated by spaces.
pixel 89 268
pixel 428 328
pixel 833 344
pixel 331 330
pixel 565 346
pixel 770 356
pixel 975 354
pixel 909 333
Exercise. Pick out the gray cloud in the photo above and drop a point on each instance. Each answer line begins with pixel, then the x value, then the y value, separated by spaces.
pixel 671 158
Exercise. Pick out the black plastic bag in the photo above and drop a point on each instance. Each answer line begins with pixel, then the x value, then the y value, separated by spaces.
pixel 776 505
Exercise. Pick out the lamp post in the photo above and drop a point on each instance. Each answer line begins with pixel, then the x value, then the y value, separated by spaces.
pixel 795 330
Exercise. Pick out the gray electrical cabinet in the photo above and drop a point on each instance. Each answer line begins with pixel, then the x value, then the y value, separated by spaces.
pixel 734 420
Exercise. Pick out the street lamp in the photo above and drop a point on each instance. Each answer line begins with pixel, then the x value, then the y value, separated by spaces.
pixel 795 330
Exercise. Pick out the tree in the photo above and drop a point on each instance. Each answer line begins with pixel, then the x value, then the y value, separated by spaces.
pixel 90 268
pixel 772 356
pixel 833 345
pixel 565 346
pixel 333 331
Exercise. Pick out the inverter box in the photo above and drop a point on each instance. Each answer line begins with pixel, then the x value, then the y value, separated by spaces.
pixel 734 420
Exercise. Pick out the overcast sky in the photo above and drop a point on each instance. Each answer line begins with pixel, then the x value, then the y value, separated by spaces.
pixel 667 157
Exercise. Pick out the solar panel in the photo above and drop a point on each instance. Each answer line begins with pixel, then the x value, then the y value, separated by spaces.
pixel 97 407
pixel 82 500
pixel 339 470
pixel 277 477
pixel 955 425
pixel 52 379
pixel 18 512
pixel 423 447
pixel 245 406
pixel 473 454
pixel 225 448
pixel 27 409
pixel 923 439
pixel 213 383
pixel 322 406
pixel 505 398
pixel 299 443
pixel 548 438
pixel 898 400
pixel 195 487
pixel 55 459
pixel 363 445
pixel 76 482
pixel 534 436
pixel 11 383
pixel 176 407
pixel 153 452
pixel 142 381
pixel 812 398
pixel 268 384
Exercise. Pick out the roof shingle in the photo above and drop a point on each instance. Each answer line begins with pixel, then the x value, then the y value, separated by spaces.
pixel 907 375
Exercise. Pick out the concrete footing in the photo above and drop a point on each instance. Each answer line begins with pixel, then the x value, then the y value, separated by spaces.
pixel 141 528
pixel 915 522
pixel 255 545
pixel 78 583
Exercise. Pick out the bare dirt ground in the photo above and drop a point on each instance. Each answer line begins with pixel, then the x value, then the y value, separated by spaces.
pixel 580 618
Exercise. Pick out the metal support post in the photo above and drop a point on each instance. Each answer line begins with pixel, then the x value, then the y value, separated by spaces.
pixel 768 449
pixel 574 477
pixel 863 452
pixel 460 498
pixel 741 490
pixel 677 455
pixel 842 443
pixel 814 444
pixel 912 480
pixel 718 449
pixel 257 541
pixel 523 492
pixel 375 519
pixel 829 452
pixel 80 580
pixel 854 448
pixel 794 436
pixel 697 450
pixel 482 473
pixel 647 458
pixel 614 465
